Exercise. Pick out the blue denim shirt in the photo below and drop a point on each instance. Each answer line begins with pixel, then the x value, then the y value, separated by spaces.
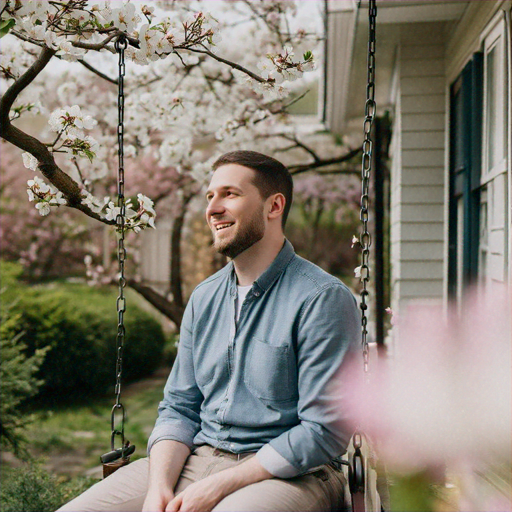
pixel 262 384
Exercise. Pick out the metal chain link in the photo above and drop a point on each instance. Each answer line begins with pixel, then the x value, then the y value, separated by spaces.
pixel 366 167
pixel 120 46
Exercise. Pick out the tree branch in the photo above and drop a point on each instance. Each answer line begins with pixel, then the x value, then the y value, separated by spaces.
pixel 168 308
pixel 27 39
pixel 19 85
pixel 26 142
pixel 299 144
pixel 98 72
pixel 234 65
pixel 98 46
pixel 301 168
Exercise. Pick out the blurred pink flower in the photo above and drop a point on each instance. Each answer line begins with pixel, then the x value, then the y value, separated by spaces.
pixel 445 395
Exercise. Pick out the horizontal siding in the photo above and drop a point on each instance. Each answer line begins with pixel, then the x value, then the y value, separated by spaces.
pixel 421 122
pixel 417 183
pixel 423 194
pixel 424 251
pixel 422 157
pixel 421 231
pixel 415 86
pixel 423 212
pixel 430 104
pixel 421 288
pixel 421 269
pixel 423 140
pixel 423 176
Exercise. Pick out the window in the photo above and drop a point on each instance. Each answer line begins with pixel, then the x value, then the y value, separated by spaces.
pixel 493 243
pixel 479 202
pixel 465 177
pixel 495 103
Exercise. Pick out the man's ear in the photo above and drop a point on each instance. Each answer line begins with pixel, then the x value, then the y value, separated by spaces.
pixel 276 206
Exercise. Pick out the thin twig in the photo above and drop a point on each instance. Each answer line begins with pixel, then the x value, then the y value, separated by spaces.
pixel 301 168
pixel 27 39
pixel 98 72
pixel 78 170
pixel 299 144
pixel 229 63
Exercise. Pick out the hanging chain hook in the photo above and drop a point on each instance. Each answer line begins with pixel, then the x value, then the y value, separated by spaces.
pixel 366 168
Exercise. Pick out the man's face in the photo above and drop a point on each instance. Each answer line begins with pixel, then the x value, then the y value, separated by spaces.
pixel 235 211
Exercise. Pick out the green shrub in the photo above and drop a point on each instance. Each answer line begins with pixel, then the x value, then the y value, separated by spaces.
pixel 30 489
pixel 33 489
pixel 77 324
pixel 10 273
pixel 18 381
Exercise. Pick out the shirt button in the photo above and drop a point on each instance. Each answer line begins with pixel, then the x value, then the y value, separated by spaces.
pixel 257 293
pixel 232 446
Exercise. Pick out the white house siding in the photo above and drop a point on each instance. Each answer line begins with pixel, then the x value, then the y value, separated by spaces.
pixel 155 256
pixel 417 166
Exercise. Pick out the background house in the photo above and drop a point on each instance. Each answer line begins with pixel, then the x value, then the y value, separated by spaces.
pixel 444 88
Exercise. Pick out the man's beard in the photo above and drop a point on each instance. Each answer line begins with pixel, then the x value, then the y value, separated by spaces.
pixel 245 236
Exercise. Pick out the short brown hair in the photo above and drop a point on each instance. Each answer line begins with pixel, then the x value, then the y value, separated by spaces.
pixel 272 176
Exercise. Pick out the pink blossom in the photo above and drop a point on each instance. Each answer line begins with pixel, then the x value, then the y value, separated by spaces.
pixel 445 395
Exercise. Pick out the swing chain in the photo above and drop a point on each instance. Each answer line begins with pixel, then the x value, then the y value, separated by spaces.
pixel 366 167
pixel 120 46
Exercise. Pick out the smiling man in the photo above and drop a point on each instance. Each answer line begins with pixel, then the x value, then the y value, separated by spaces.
pixel 248 421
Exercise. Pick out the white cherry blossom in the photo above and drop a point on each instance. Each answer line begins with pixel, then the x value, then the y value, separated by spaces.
pixel 146 203
pixel 44 208
pixel 38 185
pixel 69 52
pixel 30 161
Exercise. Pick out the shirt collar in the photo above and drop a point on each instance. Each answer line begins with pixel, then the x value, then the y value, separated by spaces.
pixel 281 261
pixel 265 281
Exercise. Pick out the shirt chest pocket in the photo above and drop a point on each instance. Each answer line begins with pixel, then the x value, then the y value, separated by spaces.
pixel 270 372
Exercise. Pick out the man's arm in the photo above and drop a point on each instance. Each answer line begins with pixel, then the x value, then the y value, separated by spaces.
pixel 328 338
pixel 178 422
pixel 203 495
pixel 165 465
pixel 178 412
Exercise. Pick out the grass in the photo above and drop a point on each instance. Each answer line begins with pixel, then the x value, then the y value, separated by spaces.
pixel 71 439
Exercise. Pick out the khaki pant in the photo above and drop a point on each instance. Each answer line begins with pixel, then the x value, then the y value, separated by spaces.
pixel 125 490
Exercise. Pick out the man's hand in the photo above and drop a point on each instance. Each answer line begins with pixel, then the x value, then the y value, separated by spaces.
pixel 166 461
pixel 157 501
pixel 202 496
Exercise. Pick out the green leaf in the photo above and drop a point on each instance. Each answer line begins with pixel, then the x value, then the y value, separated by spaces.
pixel 308 56
pixel 89 154
pixel 6 25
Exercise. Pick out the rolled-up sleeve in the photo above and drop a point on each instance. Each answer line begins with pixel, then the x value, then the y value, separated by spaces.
pixel 328 340
pixel 178 413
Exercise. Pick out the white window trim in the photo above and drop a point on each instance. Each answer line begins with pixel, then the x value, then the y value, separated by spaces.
pixel 495 38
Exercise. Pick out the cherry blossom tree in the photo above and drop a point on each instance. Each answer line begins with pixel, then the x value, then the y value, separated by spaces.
pixel 190 94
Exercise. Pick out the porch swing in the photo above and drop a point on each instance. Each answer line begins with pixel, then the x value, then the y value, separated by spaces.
pixel 368 490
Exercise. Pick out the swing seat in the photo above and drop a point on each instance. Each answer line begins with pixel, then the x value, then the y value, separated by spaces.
pixel 112 467
pixel 366 478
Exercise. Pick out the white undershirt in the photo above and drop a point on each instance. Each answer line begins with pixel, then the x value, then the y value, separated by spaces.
pixel 242 293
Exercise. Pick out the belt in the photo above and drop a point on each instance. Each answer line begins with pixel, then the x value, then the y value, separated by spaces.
pixel 206 449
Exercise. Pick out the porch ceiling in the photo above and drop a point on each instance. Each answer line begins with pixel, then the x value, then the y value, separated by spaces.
pixel 345 80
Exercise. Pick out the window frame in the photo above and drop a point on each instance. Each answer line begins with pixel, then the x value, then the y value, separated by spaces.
pixel 494 39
